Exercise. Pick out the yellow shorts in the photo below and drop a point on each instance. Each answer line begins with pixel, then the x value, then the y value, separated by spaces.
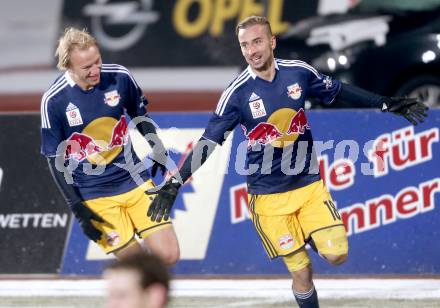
pixel 125 215
pixel 286 221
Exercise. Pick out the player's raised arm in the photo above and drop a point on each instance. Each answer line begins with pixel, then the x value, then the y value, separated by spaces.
pixel 410 108
pixel 328 89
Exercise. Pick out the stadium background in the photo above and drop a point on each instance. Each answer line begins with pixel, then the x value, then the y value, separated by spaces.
pixel 183 53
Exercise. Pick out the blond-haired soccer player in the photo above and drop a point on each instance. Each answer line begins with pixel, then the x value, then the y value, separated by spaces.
pixel 84 130
pixel 288 201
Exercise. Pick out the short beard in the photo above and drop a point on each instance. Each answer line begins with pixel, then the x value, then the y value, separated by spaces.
pixel 265 66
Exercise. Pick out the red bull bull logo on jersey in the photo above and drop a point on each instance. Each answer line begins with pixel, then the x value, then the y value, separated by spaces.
pixel 82 145
pixel 119 134
pixel 285 125
pixel 298 124
pixel 263 134
pixel 294 91
pixel 112 98
pixel 79 146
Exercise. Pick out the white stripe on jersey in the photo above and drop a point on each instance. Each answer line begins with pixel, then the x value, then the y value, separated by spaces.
pixel 229 88
pixel 54 89
pixel 298 63
pixel 295 61
pixel 43 98
pixel 221 105
pixel 303 63
pixel 116 68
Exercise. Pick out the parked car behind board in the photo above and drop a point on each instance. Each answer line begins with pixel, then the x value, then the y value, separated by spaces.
pixel 385 46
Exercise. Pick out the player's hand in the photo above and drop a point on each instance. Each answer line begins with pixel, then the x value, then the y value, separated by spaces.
pixel 163 201
pixel 410 108
pixel 84 215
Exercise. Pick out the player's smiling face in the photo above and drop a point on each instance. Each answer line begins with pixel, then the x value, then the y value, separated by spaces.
pixel 85 66
pixel 257 46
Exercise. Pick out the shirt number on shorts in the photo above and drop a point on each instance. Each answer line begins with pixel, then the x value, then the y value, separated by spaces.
pixel 333 210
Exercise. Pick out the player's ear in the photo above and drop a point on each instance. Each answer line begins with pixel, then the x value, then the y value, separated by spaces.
pixel 273 42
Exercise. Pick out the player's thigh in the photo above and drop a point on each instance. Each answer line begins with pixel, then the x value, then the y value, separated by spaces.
pixel 137 204
pixel 281 235
pixel 321 221
pixel 159 237
pixel 117 230
pixel 163 242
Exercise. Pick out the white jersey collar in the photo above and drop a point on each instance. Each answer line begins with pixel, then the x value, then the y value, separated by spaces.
pixel 69 79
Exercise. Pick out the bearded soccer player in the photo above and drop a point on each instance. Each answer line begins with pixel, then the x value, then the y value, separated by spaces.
pixel 288 209
pixel 85 116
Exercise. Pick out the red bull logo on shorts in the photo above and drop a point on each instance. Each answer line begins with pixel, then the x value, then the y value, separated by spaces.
pixel 113 239
pixel 286 242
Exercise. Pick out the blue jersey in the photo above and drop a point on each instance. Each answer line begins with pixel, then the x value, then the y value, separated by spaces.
pixel 280 155
pixel 89 129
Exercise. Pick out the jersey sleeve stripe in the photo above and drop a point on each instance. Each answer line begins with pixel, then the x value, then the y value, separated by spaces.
pixel 307 65
pixel 108 67
pixel 298 63
pixel 229 88
pixel 46 103
pixel 54 89
pixel 229 96
pixel 221 105
pixel 113 65
pixel 120 70
pixel 294 61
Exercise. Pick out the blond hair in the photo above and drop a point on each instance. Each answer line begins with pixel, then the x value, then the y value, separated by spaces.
pixel 71 39
pixel 254 20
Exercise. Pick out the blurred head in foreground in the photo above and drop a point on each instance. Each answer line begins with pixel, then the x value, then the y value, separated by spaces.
pixel 137 281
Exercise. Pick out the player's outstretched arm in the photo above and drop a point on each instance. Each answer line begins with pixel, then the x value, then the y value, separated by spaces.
pixel 410 108
pixel 82 213
pixel 160 208
pixel 160 155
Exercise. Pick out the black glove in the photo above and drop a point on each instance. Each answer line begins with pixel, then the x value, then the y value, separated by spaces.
pixel 85 216
pixel 164 200
pixel 410 108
